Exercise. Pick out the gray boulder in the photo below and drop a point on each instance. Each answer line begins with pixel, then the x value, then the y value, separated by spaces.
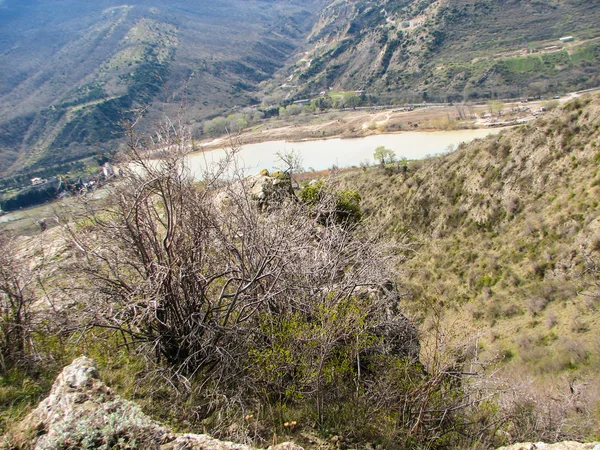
pixel 82 412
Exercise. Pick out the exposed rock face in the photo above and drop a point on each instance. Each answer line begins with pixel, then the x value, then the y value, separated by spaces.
pixel 263 188
pixel 567 445
pixel 400 336
pixel 266 187
pixel 82 412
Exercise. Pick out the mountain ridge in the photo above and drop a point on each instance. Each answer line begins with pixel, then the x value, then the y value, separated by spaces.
pixel 75 73
pixel 67 100
pixel 451 50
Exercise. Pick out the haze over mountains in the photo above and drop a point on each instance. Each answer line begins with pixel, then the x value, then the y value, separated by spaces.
pixel 72 71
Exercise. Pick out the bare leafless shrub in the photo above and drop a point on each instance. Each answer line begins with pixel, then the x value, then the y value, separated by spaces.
pixel 513 205
pixel 477 311
pixel 493 312
pixel 589 281
pixel 554 410
pixel 17 295
pixel 551 320
pixel 577 325
pixel 539 269
pixel 486 293
pixel 252 299
pixel 365 164
pixel 535 305
pixel 180 268
pixel 524 342
pixel 595 246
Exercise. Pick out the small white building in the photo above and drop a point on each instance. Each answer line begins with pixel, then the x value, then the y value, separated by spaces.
pixel 567 39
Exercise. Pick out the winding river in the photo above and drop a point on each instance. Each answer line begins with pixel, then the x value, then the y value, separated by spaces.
pixel 323 154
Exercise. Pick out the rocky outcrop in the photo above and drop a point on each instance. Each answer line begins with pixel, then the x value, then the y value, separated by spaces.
pixel 82 412
pixel 264 188
pixel 567 445
pixel 397 335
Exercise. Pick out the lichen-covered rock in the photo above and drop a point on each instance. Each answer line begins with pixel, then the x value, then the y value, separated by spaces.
pixel 266 188
pixel 567 445
pixel 82 412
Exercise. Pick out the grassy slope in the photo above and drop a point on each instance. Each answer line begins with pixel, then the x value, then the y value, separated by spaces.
pixel 452 48
pixel 504 227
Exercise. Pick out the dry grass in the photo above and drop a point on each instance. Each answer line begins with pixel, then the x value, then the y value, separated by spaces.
pixel 503 239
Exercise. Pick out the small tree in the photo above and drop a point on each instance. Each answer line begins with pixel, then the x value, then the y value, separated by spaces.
pixel 289 162
pixel 495 106
pixel 384 155
pixel 351 100
pixel 216 126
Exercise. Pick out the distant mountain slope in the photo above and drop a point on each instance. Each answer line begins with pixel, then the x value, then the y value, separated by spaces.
pixel 71 70
pixel 451 49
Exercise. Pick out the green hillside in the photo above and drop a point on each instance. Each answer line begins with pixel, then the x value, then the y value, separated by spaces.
pixel 451 50
pixel 506 239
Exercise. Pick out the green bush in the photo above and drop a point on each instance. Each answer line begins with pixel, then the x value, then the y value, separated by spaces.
pixel 339 207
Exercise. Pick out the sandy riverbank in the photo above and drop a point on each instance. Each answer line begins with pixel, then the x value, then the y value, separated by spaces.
pixel 361 123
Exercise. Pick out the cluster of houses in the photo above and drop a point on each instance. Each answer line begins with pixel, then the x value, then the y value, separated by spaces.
pixel 107 173
pixel 42 190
